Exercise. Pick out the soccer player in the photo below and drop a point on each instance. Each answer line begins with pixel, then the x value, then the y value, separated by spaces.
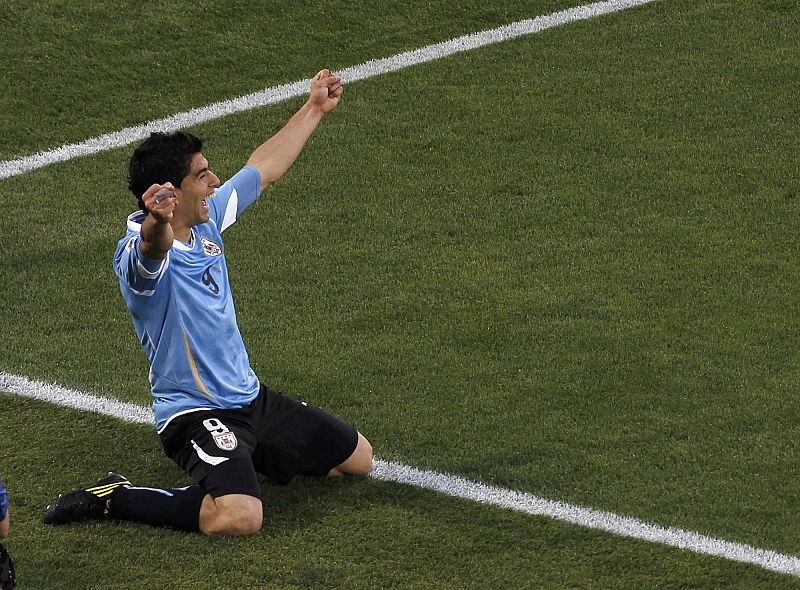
pixel 214 417
pixel 8 578
pixel 4 518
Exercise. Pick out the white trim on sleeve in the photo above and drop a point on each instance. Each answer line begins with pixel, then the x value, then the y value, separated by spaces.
pixel 146 274
pixel 230 211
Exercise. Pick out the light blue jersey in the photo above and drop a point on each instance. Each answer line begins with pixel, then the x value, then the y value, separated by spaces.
pixel 183 311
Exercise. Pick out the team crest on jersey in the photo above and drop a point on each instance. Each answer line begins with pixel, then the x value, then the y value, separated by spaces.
pixel 226 441
pixel 211 248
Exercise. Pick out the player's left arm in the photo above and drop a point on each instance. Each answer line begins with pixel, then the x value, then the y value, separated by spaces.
pixel 274 157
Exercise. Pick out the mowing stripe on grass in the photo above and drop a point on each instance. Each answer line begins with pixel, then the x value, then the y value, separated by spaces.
pixel 276 94
pixel 456 486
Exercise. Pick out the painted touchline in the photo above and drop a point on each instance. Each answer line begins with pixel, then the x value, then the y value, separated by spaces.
pixel 456 486
pixel 276 94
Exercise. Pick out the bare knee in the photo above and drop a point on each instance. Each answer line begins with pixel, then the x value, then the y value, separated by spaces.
pixel 234 515
pixel 359 462
pixel 242 523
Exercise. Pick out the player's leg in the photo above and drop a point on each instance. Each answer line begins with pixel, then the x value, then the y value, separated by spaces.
pixel 299 439
pixel 358 463
pixel 114 496
pixel 215 447
pixel 177 508
pixel 190 508
pixel 234 514
pixel 227 499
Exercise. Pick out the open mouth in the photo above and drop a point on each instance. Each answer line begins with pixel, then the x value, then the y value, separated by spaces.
pixel 204 202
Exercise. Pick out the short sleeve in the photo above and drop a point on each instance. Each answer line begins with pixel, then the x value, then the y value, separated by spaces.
pixel 232 198
pixel 139 273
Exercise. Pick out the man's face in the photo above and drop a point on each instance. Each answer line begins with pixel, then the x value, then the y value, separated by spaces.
pixel 192 208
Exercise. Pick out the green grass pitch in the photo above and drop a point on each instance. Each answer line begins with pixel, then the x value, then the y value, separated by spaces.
pixel 565 265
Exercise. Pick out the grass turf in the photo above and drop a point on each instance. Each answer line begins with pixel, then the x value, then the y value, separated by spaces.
pixel 563 265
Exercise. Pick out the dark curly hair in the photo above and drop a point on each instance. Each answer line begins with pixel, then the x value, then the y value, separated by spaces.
pixel 163 157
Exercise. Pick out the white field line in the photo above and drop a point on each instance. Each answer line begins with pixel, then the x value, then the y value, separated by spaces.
pixel 456 486
pixel 276 94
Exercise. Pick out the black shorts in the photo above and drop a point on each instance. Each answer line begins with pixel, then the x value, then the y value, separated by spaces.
pixel 276 436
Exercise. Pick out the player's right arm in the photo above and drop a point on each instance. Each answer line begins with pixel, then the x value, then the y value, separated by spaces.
pixel 157 234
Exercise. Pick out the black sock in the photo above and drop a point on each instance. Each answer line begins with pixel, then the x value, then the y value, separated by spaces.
pixel 177 507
